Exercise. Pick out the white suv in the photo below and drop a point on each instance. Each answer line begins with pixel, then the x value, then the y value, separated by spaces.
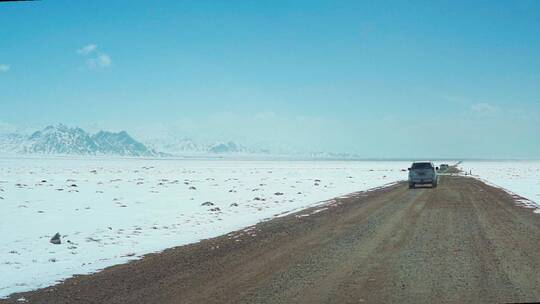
pixel 421 173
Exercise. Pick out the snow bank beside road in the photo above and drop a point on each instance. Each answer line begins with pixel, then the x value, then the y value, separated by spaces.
pixel 110 211
pixel 518 177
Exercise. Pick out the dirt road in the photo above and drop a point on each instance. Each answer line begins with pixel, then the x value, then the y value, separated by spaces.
pixel 463 242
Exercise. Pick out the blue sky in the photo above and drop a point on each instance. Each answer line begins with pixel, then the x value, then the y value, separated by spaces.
pixel 376 79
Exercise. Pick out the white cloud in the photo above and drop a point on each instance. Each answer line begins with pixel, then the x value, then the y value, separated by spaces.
pixel 85 50
pixel 4 67
pixel 95 59
pixel 484 108
pixel 100 61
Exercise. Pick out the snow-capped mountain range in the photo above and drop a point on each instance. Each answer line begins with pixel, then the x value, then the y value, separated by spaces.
pixel 188 147
pixel 63 140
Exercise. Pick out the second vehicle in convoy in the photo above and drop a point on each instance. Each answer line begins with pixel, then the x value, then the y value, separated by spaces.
pixel 421 173
pixel 444 167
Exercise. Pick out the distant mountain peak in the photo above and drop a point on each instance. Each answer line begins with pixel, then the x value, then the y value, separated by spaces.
pixel 65 140
pixel 228 147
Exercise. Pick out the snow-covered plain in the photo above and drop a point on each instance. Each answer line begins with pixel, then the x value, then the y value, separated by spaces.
pixel 111 211
pixel 516 177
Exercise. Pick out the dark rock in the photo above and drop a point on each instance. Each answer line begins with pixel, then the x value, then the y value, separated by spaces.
pixel 56 239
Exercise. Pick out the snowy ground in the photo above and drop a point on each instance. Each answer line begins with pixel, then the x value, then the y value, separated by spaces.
pixel 111 211
pixel 517 177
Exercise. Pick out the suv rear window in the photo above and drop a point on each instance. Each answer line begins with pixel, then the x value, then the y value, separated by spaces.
pixel 422 166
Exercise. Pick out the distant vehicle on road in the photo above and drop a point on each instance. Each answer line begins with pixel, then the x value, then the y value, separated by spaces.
pixel 421 173
pixel 444 167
